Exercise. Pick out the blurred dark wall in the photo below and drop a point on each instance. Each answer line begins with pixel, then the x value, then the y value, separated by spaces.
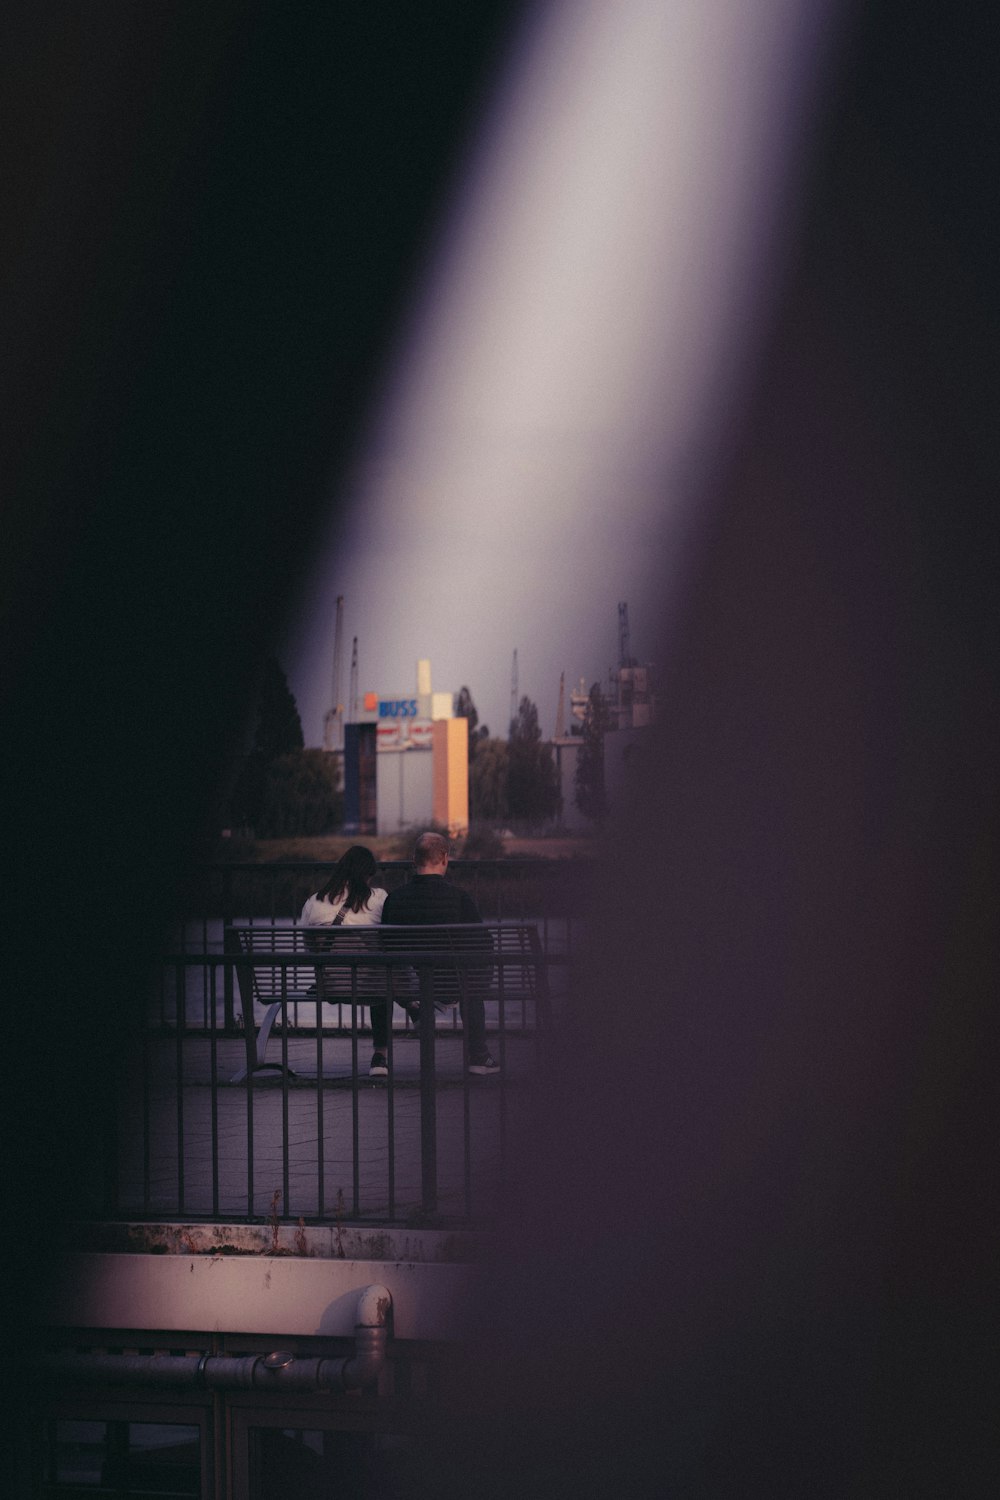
pixel 213 214
pixel 758 1251
pixel 755 1251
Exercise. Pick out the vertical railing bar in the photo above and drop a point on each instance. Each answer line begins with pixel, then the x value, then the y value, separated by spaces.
pixel 428 1103
pixel 182 993
pixel 147 1044
pixel 285 1173
pixel 320 1118
pixel 467 1108
pixel 213 1064
pixel 293 977
pixel 545 1028
pixel 249 1021
pixel 204 985
pixel 112 1156
pixel 390 1113
pixel 502 1048
pixel 355 1100
pixel 161 1003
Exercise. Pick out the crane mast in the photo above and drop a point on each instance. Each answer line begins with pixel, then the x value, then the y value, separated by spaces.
pixel 624 653
pixel 333 723
pixel 353 695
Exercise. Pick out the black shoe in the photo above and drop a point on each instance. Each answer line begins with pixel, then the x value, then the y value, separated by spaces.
pixel 379 1067
pixel 413 1011
pixel 483 1063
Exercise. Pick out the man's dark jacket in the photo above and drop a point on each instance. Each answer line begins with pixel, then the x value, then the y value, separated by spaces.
pixel 431 900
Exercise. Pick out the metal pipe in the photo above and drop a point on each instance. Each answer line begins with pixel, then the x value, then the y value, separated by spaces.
pixel 280 1371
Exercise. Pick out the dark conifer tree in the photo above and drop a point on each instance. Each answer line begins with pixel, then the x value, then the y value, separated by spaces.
pixel 279 728
pixel 465 708
pixel 532 780
pixel 278 732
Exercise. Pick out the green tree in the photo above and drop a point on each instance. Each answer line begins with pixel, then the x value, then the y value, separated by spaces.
pixel 591 798
pixel 466 709
pixel 301 796
pixel 488 782
pixel 532 779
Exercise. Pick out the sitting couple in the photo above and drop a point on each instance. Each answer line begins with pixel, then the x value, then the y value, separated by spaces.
pixel 349 899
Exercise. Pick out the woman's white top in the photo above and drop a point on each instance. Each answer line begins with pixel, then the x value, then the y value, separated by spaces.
pixel 317 913
pixel 336 983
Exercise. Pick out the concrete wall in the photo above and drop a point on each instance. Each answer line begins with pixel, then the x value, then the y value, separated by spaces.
pixel 619 746
pixel 257 1294
pixel 405 784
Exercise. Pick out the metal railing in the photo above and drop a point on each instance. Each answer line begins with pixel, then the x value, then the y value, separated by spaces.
pixel 550 892
pixel 321 1141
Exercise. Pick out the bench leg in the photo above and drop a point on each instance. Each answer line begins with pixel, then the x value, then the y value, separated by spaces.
pixel 263 1035
pixel 256 1062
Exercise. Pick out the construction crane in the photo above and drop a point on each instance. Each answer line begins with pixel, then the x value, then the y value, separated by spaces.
pixel 333 722
pixel 513 694
pixel 353 694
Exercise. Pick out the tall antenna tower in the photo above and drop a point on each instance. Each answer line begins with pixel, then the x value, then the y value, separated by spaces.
pixel 625 676
pixel 624 652
pixel 513 692
pixel 561 710
pixel 333 722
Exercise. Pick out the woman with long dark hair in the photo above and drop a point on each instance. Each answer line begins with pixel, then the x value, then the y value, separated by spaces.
pixel 351 899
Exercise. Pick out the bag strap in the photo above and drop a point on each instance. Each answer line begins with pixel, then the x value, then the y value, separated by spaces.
pixel 342 913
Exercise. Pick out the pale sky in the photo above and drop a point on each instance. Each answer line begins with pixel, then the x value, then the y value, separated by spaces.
pixel 585 317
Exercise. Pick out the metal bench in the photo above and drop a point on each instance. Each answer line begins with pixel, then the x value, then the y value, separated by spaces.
pixel 349 966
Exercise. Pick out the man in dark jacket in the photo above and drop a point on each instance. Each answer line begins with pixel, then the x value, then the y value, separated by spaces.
pixel 428 899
